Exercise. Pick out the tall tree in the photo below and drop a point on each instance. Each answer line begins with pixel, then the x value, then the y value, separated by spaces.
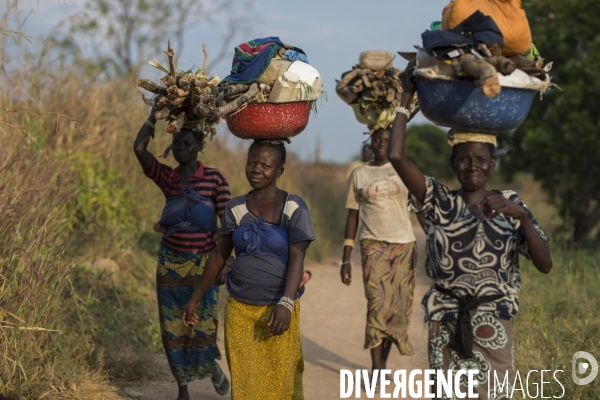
pixel 560 140
pixel 124 33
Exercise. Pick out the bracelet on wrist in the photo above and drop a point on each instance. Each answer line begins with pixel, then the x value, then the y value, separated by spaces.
pixel 286 302
pixel 344 263
pixel 349 242
pixel 405 111
pixel 149 124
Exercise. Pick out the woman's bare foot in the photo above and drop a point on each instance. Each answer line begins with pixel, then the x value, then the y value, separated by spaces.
pixel 306 275
pixel 160 229
pixel 183 393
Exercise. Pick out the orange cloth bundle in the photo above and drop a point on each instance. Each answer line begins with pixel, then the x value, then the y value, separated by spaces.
pixel 507 14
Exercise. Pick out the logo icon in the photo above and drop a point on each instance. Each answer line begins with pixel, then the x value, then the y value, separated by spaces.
pixel 590 365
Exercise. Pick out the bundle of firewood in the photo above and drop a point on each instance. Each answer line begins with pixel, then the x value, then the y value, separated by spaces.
pixel 374 93
pixel 188 98
pixel 485 69
pixel 382 85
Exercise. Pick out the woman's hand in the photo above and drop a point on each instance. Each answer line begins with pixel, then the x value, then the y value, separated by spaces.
pixel 188 315
pixel 406 79
pixel 160 229
pixel 495 204
pixel 279 321
pixel 346 273
pixel 223 274
pixel 152 117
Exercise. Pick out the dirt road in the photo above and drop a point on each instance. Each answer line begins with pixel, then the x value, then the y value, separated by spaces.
pixel 332 325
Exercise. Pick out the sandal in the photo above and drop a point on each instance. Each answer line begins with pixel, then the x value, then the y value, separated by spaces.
pixel 222 388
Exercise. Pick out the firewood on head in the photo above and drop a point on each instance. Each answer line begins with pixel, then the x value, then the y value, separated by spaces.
pixel 535 72
pixel 170 54
pixel 205 57
pixel 234 105
pixel 502 65
pixel 202 111
pixel 391 95
pixel 379 89
pixel 193 94
pixel 379 74
pixel 347 95
pixel 178 101
pixel 174 92
pixel 496 50
pixel 357 89
pixel 213 81
pixel 165 111
pixel 235 89
pixel 484 50
pixel 150 86
pixel 365 79
pixel 394 73
pixel 168 80
pixel 539 63
pixel 347 78
pixel 185 83
pixel 177 124
pixel 486 76
pixel 523 62
pixel 220 99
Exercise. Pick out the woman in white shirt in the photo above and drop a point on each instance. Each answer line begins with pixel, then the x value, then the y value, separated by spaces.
pixel 379 200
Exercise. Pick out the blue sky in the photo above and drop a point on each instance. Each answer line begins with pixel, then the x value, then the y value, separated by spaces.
pixel 332 33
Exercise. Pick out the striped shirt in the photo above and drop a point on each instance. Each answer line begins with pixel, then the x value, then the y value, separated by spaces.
pixel 207 182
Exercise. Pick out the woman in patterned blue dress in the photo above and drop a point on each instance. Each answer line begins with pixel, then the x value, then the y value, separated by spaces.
pixel 474 238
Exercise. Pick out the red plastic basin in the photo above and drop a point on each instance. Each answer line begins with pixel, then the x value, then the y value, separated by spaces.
pixel 269 120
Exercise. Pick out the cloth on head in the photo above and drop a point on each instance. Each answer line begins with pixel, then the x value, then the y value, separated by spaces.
pixel 457 136
pixel 275 141
pixel 478 28
pixel 293 55
pixel 252 58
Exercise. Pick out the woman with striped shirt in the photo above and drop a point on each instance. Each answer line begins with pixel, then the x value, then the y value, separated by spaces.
pixel 195 195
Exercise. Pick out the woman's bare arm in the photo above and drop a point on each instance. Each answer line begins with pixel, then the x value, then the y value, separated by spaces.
pixel 140 146
pixel 410 174
pixel 280 318
pixel 214 264
pixel 351 228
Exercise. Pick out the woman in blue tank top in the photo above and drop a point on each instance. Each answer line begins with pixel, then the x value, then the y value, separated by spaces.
pixel 270 231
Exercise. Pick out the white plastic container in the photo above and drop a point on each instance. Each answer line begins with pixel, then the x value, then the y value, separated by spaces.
pixel 286 88
pixel 309 75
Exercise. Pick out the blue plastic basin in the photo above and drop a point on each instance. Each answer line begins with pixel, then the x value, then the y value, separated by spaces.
pixel 461 104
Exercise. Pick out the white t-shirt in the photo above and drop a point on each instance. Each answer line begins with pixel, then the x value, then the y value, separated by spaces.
pixel 381 199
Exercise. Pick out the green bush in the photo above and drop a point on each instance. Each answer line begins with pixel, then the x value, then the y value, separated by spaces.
pixel 559 316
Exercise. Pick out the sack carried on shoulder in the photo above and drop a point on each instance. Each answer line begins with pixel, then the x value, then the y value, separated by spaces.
pixel 507 14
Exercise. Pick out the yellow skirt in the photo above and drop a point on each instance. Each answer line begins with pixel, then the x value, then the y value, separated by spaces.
pixel 262 366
